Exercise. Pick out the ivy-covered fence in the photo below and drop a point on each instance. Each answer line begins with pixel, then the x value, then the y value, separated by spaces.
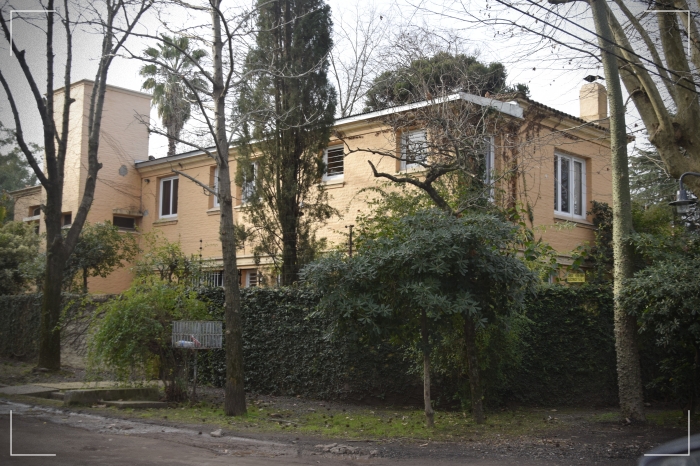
pixel 19 325
pixel 286 352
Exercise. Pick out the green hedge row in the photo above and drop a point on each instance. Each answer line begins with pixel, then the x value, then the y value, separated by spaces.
pixel 19 325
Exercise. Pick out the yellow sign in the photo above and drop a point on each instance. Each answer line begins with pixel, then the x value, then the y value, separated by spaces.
pixel 576 278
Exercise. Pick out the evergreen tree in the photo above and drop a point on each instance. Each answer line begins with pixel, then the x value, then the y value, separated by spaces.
pixel 291 104
pixel 15 172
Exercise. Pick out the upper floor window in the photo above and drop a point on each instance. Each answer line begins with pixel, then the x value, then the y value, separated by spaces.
pixel 216 187
pixel 67 219
pixel 414 149
pixel 168 197
pixel 248 186
pixel 489 164
pixel 569 186
pixel 35 211
pixel 334 158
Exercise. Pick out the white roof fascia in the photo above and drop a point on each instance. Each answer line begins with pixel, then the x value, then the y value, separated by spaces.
pixel 508 108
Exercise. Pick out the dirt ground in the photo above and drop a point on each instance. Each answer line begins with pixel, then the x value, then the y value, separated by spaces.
pixel 549 434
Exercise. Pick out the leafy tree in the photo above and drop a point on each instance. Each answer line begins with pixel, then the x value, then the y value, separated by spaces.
pixel 15 173
pixel 171 95
pixel 428 270
pixel 291 105
pixel 165 260
pixel 441 74
pixel 100 249
pixel 19 244
pixel 650 182
pixel 131 334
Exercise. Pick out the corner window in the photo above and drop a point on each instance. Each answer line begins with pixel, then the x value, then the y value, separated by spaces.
pixel 414 149
pixel 248 186
pixel 124 223
pixel 569 186
pixel 168 197
pixel 334 158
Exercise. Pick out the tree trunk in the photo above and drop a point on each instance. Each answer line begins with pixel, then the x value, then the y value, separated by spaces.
pixel 234 397
pixel 473 368
pixel 429 413
pixel 628 368
pixel 50 343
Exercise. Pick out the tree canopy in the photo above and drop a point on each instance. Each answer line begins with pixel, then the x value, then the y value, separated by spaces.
pixel 442 74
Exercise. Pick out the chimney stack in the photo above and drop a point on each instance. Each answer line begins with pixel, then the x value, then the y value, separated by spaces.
pixel 594 103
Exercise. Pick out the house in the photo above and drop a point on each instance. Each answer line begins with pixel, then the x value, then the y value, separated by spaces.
pixel 559 164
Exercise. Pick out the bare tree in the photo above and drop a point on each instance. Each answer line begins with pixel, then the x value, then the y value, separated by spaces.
pixel 115 20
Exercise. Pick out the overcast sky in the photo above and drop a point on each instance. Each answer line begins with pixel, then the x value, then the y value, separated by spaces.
pixel 552 82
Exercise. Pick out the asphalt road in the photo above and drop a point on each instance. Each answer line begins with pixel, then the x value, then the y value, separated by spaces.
pixel 83 439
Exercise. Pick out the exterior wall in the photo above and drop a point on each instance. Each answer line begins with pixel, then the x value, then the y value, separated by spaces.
pixel 128 188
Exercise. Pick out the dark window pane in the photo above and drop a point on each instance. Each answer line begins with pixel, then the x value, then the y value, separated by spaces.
pixel 565 190
pixel 556 182
pixel 578 188
pixel 165 196
pixel 127 223
pixel 67 219
pixel 36 211
pixel 175 184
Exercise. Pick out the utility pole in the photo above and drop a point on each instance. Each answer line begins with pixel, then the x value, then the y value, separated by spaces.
pixel 350 239
pixel 629 376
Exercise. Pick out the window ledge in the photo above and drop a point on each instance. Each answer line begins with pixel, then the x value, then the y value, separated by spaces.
pixel 32 218
pixel 579 221
pixel 165 221
pixel 333 184
pixel 214 211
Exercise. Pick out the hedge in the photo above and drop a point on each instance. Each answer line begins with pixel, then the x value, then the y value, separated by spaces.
pixel 19 325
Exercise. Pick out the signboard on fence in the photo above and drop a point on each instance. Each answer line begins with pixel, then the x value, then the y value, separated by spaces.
pixel 197 334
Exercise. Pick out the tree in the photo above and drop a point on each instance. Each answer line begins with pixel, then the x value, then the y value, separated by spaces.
pixel 15 173
pixel 441 74
pixel 19 244
pixel 115 21
pixel 650 182
pixel 100 249
pixel 170 95
pixel 424 271
pixel 291 106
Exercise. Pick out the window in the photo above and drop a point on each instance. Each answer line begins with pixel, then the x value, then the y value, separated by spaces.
pixel 248 186
pixel 251 278
pixel 489 164
pixel 67 219
pixel 334 158
pixel 216 187
pixel 414 149
pixel 168 197
pixel 569 186
pixel 124 223
pixel 34 211
pixel 213 278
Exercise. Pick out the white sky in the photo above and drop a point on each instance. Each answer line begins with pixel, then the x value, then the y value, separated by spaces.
pixel 552 82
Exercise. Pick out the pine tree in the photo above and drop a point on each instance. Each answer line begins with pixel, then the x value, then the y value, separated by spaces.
pixel 292 104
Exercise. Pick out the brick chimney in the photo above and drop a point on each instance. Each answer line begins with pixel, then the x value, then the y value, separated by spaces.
pixel 594 103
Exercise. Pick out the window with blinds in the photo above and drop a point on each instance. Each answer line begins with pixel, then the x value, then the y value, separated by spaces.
pixel 334 158
pixel 414 149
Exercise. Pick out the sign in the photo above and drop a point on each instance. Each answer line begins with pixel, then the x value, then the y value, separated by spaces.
pixel 576 277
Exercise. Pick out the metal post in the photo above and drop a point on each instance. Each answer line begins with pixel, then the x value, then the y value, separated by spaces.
pixel 350 239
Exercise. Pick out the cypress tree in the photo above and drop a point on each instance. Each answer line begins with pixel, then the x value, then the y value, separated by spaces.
pixel 289 106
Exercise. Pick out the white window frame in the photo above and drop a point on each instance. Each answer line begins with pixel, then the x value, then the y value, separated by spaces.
pixel 216 188
pixel 489 171
pixel 407 139
pixel 245 199
pixel 247 277
pixel 572 181
pixel 160 197
pixel 339 176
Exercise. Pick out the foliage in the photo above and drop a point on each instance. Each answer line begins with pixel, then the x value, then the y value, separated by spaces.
pixel 131 334
pixel 14 171
pixel 170 61
pixel 165 259
pixel 599 255
pixel 440 74
pixel 19 244
pixel 100 249
pixel 19 324
pixel 665 298
pixel 291 106
pixel 650 182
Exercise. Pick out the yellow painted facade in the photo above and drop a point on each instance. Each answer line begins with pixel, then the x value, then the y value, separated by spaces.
pixel 130 185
